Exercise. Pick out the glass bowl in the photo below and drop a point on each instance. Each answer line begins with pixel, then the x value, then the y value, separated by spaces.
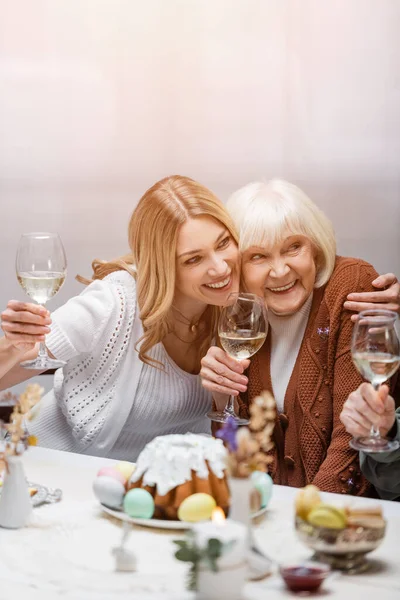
pixel 343 549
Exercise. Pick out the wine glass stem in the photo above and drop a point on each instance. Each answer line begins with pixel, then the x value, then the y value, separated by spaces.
pixel 42 350
pixel 230 406
pixel 374 431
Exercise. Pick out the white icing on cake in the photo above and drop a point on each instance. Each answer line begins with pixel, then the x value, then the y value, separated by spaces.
pixel 168 460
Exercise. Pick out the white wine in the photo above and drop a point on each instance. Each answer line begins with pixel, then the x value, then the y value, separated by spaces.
pixel 376 367
pixel 242 343
pixel 41 285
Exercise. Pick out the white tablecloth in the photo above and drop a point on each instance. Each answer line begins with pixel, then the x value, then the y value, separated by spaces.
pixel 66 550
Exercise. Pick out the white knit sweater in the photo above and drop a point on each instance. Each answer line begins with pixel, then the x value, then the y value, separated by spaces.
pixel 102 383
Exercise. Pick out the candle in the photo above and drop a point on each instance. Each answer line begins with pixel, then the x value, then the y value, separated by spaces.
pixel 225 531
pixel 228 581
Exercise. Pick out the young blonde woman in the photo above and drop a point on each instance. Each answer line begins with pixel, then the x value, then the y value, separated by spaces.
pixel 289 258
pixel 134 338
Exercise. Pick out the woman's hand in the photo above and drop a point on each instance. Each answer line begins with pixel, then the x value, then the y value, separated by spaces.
pixel 366 407
pixel 222 374
pixel 24 324
pixel 388 297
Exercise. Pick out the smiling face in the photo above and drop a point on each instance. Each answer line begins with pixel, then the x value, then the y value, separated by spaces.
pixel 207 263
pixel 284 274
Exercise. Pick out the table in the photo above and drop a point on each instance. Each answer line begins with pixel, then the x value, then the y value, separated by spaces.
pixel 66 551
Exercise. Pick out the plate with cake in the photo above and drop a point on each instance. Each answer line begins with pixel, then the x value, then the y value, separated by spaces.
pixel 177 480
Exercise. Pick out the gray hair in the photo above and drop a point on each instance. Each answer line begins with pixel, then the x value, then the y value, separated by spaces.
pixel 262 211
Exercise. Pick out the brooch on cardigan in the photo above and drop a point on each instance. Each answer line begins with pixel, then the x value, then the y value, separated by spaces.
pixel 323 332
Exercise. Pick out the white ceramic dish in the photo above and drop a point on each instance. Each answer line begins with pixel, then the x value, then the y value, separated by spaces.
pixel 161 523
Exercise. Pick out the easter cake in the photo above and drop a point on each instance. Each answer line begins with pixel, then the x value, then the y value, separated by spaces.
pixel 176 477
pixel 173 468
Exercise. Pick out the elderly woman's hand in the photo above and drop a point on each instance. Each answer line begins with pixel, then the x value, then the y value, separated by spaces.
pixel 366 407
pixel 388 297
pixel 24 324
pixel 222 374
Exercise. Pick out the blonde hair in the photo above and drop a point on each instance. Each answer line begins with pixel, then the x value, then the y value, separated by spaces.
pixel 153 234
pixel 262 211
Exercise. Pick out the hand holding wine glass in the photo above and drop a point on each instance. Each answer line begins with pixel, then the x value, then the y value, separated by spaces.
pixel 41 268
pixel 242 331
pixel 376 354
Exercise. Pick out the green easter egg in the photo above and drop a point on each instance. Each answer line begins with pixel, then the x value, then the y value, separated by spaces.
pixel 197 507
pixel 263 484
pixel 139 504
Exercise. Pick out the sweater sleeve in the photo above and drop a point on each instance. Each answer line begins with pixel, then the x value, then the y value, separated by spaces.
pixel 383 469
pixel 78 325
pixel 340 471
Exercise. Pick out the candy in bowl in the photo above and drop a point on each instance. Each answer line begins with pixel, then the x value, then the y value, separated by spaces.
pixel 340 537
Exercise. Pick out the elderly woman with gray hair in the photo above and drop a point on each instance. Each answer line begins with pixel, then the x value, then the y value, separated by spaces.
pixel 289 258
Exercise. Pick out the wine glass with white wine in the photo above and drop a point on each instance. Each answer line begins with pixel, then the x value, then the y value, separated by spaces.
pixel 376 354
pixel 41 268
pixel 242 330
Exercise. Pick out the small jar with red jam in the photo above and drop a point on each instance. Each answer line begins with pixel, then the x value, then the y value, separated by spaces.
pixel 304 577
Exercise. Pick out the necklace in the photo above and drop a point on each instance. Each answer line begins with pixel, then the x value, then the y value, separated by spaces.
pixel 192 325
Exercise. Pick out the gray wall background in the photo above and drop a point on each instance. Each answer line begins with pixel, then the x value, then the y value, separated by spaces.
pixel 100 98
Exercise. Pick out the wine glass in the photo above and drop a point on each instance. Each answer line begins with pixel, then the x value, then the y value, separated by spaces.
pixel 41 268
pixel 376 354
pixel 242 330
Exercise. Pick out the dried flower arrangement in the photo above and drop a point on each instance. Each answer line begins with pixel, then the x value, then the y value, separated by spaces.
pixel 13 435
pixel 248 447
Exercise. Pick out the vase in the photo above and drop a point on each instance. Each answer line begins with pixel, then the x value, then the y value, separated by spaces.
pixel 226 583
pixel 15 502
pixel 240 490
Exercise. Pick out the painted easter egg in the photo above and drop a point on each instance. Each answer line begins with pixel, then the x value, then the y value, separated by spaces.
pixel 126 468
pixel 112 472
pixel 139 503
pixel 197 507
pixel 109 491
pixel 263 484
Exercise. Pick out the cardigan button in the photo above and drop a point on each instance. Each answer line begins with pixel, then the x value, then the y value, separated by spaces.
pixel 316 415
pixel 320 398
pixel 343 479
pixel 323 429
pixel 284 421
pixel 343 491
pixel 317 350
pixel 326 381
pixel 289 462
pixel 324 367
pixel 351 469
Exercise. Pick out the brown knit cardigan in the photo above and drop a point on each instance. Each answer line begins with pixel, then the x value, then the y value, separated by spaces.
pixel 311 444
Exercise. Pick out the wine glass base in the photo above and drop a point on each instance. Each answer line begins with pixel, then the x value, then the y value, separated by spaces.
pixel 374 444
pixel 223 416
pixel 43 364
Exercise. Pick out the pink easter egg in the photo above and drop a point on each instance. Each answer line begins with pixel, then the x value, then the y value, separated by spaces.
pixel 111 472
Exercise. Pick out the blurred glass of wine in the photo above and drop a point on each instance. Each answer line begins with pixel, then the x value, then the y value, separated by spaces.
pixel 41 267
pixel 375 351
pixel 242 330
